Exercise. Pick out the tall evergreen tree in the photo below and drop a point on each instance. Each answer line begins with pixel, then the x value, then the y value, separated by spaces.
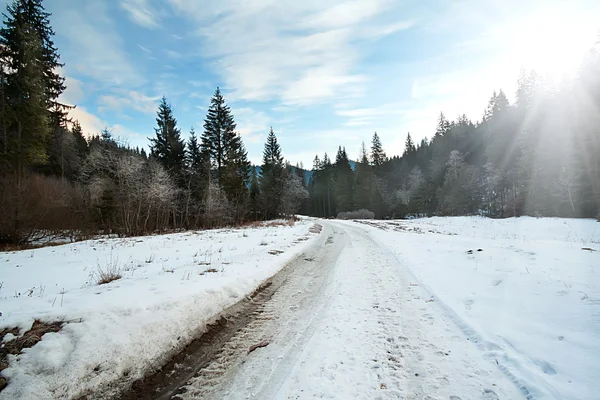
pixel 24 91
pixel 254 194
pixel 219 132
pixel 344 182
pixel 272 179
pixel 364 181
pixel 198 167
pixel 81 142
pixel 168 147
pixel 236 173
pixel 31 13
pixel 194 154
pixel 443 126
pixel 409 146
pixel 377 154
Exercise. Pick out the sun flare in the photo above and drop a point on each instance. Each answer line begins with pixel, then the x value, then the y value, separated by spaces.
pixel 552 45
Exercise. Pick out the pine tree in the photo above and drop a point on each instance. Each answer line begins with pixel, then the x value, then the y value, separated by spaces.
pixel 409 147
pixel 32 13
pixel 194 154
pixel 81 142
pixel 254 195
pixel 272 179
pixel 26 132
pixel 236 173
pixel 364 181
pixel 343 182
pixel 219 132
pixel 377 154
pixel 198 167
pixel 443 126
pixel 63 154
pixel 168 147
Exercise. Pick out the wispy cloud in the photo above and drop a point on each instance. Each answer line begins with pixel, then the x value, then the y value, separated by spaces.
pixel 132 100
pixel 94 47
pixel 297 52
pixel 141 12
pixel 74 92
pixel 145 49
pixel 251 124
pixel 90 123
pixel 175 55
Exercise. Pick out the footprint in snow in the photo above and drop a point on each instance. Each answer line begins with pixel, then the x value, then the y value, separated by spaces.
pixel 490 395
pixel 469 304
pixel 545 367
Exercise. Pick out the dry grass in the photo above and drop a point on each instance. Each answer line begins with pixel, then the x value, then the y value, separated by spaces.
pixel 28 246
pixel 29 339
pixel 111 272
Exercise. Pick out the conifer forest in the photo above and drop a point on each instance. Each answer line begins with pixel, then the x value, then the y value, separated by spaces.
pixel 537 156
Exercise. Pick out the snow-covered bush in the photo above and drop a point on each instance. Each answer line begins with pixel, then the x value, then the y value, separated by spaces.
pixel 360 214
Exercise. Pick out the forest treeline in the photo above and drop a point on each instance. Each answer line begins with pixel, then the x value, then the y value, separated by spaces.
pixel 539 156
pixel 56 179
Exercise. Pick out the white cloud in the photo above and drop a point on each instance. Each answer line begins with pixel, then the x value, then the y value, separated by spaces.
pixel 299 52
pixel 371 116
pixel 384 30
pixel 74 92
pixel 141 12
pixel 91 124
pixel 128 137
pixel 93 46
pixel 251 124
pixel 145 49
pixel 173 54
pixel 130 100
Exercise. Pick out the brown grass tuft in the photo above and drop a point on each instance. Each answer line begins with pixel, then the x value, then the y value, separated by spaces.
pixel 111 272
pixel 29 339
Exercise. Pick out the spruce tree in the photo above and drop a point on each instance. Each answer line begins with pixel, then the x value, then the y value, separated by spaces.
pixel 344 182
pixel 364 181
pixel 168 147
pixel 219 133
pixel 194 154
pixel 443 126
pixel 27 128
pixel 377 154
pixel 31 13
pixel 198 167
pixel 236 172
pixel 81 142
pixel 409 146
pixel 254 194
pixel 272 178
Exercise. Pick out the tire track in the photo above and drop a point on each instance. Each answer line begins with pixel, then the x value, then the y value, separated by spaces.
pixel 286 320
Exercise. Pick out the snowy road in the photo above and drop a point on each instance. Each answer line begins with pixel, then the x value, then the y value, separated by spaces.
pixel 351 322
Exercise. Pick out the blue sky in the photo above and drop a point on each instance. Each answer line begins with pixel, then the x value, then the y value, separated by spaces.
pixel 323 73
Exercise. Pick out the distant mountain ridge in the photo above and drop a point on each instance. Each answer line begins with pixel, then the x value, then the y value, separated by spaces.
pixel 257 169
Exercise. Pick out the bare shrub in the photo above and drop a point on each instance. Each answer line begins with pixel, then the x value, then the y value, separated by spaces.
pixel 109 273
pixel 36 204
pixel 360 214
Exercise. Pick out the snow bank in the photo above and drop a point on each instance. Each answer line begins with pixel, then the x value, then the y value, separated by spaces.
pixel 530 299
pixel 171 287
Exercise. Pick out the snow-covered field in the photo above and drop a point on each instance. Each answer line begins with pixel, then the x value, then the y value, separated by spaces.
pixel 171 287
pixel 439 308
pixel 526 291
